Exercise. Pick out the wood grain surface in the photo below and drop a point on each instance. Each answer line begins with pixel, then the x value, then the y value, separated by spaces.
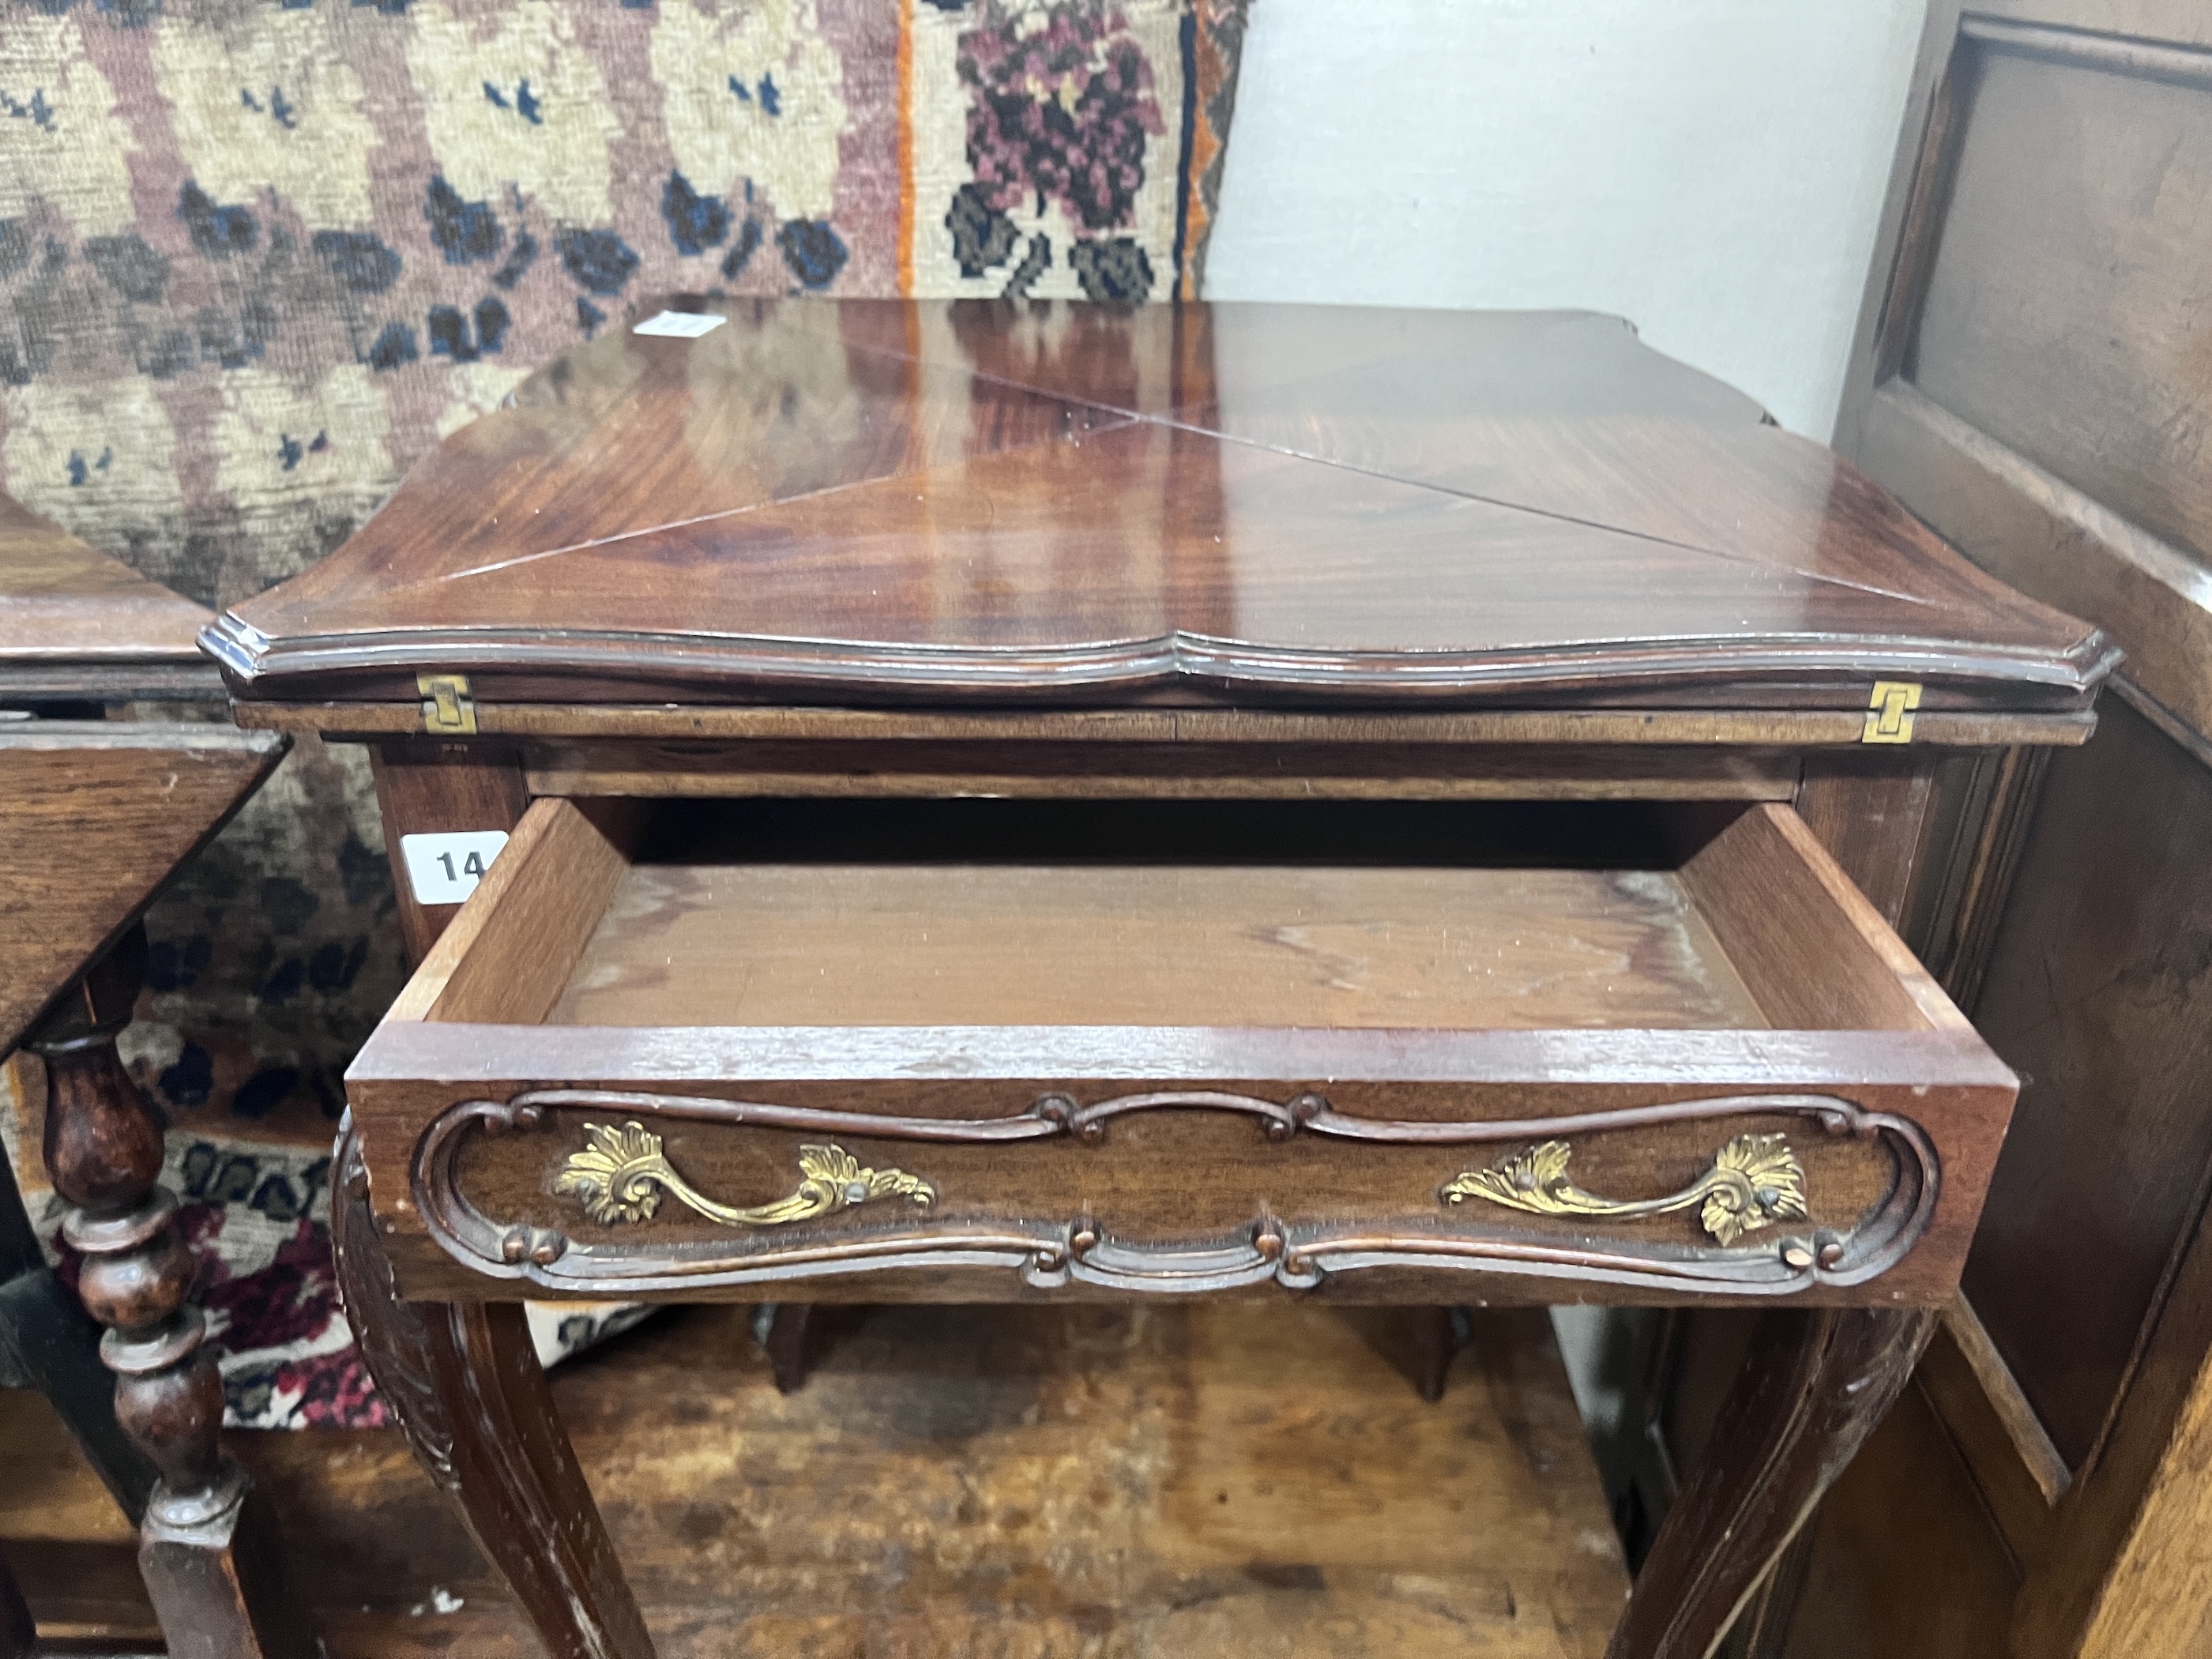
pixel 1037 944
pixel 2099 992
pixel 1060 1483
pixel 926 502
pixel 430 788
pixel 2096 996
pixel 2056 313
pixel 1751 728
pixel 93 816
pixel 1347 920
pixel 76 623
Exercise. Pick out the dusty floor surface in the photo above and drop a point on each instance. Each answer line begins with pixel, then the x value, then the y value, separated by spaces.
pixel 1032 1483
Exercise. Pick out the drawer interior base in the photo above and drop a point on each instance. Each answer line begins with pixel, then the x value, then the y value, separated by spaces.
pixel 987 913
pixel 1162 945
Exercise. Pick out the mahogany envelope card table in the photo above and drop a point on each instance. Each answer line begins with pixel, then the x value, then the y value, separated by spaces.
pixel 963 802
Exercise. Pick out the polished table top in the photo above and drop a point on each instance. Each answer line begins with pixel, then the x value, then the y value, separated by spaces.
pixel 76 622
pixel 823 501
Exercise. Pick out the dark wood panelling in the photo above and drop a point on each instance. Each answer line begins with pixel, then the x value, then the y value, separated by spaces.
pixel 2063 315
pixel 2099 995
pixel 2019 1472
pixel 1868 812
pixel 1858 1597
pixel 2032 528
pixel 2030 376
pixel 2125 1570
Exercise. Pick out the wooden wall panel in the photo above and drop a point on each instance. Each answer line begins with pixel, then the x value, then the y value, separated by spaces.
pixel 2064 314
pixel 1856 1599
pixel 2027 525
pixel 2099 994
pixel 2124 1570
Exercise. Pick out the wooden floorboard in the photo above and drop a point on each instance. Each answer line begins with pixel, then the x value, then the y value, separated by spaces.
pixel 1038 1483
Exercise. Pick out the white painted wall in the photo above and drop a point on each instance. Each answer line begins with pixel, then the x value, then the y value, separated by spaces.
pixel 1710 169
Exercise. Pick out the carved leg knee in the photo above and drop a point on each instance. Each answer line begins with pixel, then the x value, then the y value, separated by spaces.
pixel 464 1380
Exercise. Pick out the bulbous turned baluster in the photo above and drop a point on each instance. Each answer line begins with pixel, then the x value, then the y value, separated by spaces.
pixel 168 1395
pixel 212 1573
pixel 103 1150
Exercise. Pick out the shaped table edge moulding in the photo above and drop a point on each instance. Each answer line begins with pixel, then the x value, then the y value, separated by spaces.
pixel 1395 807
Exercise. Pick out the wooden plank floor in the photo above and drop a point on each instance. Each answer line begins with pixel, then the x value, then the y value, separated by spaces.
pixel 1036 1483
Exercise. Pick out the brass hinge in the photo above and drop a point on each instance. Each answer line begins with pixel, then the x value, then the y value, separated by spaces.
pixel 1889 711
pixel 448 711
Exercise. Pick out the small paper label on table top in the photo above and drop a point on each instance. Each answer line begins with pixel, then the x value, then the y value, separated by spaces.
pixel 681 325
pixel 445 868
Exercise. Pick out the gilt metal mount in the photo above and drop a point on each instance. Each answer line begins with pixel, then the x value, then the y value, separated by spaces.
pixel 621 1173
pixel 1754 1180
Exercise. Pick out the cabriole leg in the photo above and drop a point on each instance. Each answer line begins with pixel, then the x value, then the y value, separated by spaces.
pixel 1818 1381
pixel 464 1382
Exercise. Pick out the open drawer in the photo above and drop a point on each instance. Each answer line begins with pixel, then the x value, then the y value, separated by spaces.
pixel 1656 1055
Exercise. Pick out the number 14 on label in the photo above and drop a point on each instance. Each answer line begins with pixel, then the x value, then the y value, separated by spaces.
pixel 445 868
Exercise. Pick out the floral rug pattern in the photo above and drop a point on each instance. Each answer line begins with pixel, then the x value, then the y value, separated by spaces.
pixel 256 260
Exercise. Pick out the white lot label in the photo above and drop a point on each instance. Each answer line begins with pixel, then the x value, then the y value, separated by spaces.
pixel 681 325
pixel 445 869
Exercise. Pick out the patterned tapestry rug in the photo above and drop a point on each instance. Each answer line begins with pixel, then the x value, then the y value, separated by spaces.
pixel 256 260
pixel 257 1218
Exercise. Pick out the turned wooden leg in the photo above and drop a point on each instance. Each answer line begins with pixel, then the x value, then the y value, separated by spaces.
pixel 48 1342
pixel 464 1382
pixel 1817 1382
pixel 206 1548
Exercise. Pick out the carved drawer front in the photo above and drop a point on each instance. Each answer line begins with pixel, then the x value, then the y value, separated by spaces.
pixel 1166 1190
pixel 1720 1079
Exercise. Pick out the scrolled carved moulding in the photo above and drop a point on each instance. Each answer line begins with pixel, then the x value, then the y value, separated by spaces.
pixel 617 1176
